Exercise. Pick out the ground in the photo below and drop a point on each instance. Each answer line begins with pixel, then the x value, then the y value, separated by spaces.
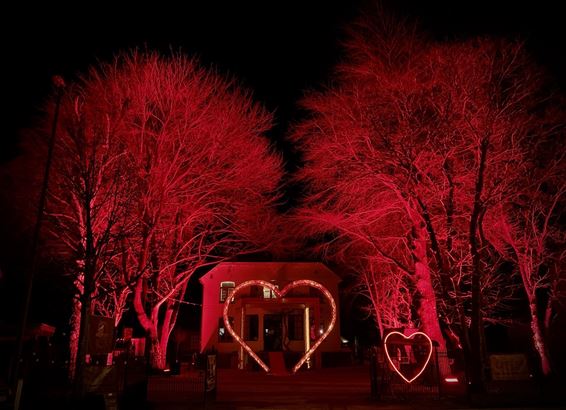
pixel 325 389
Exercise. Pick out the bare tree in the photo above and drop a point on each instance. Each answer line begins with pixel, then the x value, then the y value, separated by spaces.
pixel 433 135
pixel 202 169
pixel 526 229
pixel 86 201
pixel 358 157
pixel 160 169
pixel 382 281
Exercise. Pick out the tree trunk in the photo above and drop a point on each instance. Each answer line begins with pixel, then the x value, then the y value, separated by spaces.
pixel 139 307
pixel 538 339
pixel 164 336
pixel 86 300
pixel 83 335
pixel 445 272
pixel 121 301
pixel 75 322
pixel 170 319
pixel 423 282
pixel 376 307
pixel 75 325
pixel 476 331
pixel 157 354
pixel 423 279
pixel 427 307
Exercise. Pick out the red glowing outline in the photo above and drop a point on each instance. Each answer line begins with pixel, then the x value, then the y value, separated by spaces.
pixel 280 294
pixel 408 337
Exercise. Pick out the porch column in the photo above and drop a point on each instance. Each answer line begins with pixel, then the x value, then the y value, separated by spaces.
pixel 318 353
pixel 307 333
pixel 242 335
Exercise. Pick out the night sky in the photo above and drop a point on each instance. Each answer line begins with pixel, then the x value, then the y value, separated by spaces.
pixel 277 48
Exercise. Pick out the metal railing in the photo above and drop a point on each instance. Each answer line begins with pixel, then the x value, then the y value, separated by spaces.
pixel 387 383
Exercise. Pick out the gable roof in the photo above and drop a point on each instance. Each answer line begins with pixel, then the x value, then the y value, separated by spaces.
pixel 271 271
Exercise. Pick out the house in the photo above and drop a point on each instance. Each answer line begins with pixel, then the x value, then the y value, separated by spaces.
pixel 267 323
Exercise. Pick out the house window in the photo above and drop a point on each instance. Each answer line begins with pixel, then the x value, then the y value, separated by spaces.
pixel 256 292
pixel 251 327
pixel 268 293
pixel 226 289
pixel 295 327
pixel 223 335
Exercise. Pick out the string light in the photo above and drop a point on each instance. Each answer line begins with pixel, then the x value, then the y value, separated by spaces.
pixel 280 294
pixel 406 338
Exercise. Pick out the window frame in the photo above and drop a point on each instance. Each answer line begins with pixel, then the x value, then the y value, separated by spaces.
pixel 226 291
pixel 226 337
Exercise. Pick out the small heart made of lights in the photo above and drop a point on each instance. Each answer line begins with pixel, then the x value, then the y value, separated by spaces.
pixel 407 338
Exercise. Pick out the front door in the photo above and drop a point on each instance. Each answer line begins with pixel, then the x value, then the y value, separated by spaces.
pixel 272 333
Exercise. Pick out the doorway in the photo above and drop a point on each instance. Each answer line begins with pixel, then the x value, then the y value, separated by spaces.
pixel 272 333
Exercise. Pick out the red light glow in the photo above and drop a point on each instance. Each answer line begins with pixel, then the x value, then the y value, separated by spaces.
pixel 279 294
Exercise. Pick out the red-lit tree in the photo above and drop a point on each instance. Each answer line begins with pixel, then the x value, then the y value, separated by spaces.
pixel 502 111
pixel 86 204
pixel 526 230
pixel 160 168
pixel 431 134
pixel 369 243
pixel 203 173
pixel 358 151
pixel 389 289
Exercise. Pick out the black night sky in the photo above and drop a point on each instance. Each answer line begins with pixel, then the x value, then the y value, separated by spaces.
pixel 277 48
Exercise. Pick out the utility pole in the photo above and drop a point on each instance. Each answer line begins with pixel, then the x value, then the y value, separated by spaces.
pixel 16 378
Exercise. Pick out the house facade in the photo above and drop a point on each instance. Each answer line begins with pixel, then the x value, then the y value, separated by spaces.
pixel 267 323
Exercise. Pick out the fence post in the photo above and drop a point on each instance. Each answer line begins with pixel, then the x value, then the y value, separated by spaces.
pixel 438 378
pixel 373 372
pixel 209 375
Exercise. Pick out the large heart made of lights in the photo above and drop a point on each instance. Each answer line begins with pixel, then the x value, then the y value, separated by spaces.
pixel 280 294
pixel 407 338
